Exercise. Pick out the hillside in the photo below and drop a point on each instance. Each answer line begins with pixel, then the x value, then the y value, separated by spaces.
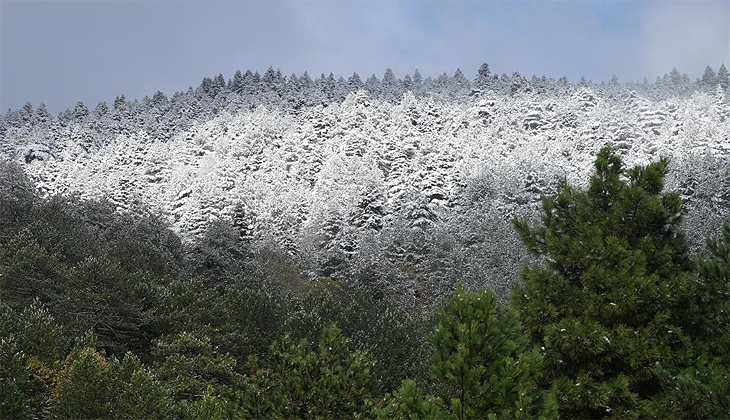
pixel 411 180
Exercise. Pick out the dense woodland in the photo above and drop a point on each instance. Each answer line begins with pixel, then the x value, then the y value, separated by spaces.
pixel 411 182
pixel 271 247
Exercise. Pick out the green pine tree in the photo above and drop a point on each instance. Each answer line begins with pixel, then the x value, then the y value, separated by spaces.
pixel 481 367
pixel 614 306
pixel 702 389
pixel 14 380
pixel 331 382
pixel 83 388
pixel 189 365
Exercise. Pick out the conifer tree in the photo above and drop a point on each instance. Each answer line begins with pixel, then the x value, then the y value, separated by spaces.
pixel 723 78
pixel 709 79
pixel 483 77
pixel 481 367
pixel 327 383
pixel 417 79
pixel 614 306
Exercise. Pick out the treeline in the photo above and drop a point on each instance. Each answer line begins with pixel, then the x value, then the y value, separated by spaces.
pixel 110 316
pixel 162 117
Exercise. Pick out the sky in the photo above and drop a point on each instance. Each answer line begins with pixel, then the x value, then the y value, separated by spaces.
pixel 60 52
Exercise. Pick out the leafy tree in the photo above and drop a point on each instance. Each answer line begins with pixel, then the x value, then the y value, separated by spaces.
pixel 481 366
pixel 614 305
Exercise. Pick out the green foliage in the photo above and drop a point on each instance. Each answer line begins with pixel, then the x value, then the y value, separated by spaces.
pixel 83 388
pixel 714 299
pixel 14 380
pixel 481 367
pixel 330 382
pixel 189 365
pixel 136 393
pixel 614 307
pixel 702 389
pixel 41 337
pixel 32 344
pixel 396 338
pixel 90 387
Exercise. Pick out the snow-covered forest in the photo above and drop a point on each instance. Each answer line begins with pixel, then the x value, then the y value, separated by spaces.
pixel 271 247
pixel 414 179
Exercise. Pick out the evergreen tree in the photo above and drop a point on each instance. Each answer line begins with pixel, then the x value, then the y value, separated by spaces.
pixel 14 377
pixel 237 82
pixel 417 79
pixel 189 365
pixel 722 77
pixel 354 83
pixel 614 307
pixel 80 112
pixel 90 387
pixel 481 367
pixel 41 113
pixel 83 388
pixel 709 79
pixel 484 77
pixel 330 382
pixel 101 109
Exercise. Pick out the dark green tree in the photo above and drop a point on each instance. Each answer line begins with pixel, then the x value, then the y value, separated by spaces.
pixel 481 366
pixel 14 380
pixel 90 387
pixel 614 306
pixel 331 382
pixel 83 388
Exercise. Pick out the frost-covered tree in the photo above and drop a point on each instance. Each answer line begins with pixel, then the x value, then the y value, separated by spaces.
pixel 709 79
pixel 723 79
pixel 484 77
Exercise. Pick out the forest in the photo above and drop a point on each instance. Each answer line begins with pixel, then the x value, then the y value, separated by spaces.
pixel 274 247
pixel 106 315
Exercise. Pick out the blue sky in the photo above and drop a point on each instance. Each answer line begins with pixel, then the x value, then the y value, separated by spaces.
pixel 59 52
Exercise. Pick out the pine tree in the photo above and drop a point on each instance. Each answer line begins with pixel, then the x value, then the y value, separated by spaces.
pixel 189 364
pixel 328 382
pixel 14 377
pixel 83 388
pixel 417 80
pixel 612 308
pixel 41 113
pixel 484 77
pixel 709 79
pixel 723 78
pixel 354 82
pixel 481 366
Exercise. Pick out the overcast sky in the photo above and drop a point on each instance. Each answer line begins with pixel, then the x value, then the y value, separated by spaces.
pixel 60 52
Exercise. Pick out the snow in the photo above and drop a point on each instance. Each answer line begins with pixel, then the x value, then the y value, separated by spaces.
pixel 329 175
